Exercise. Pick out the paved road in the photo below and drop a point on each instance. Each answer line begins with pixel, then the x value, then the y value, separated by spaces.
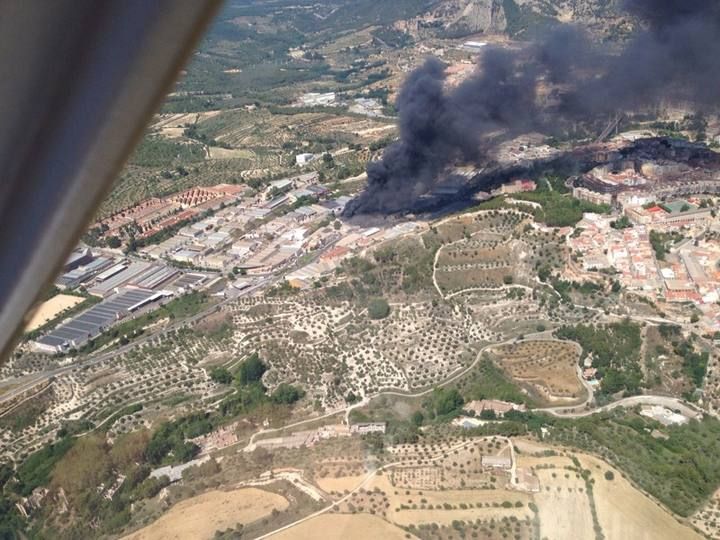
pixel 664 401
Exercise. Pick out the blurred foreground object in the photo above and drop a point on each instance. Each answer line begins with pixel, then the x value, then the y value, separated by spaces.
pixel 81 78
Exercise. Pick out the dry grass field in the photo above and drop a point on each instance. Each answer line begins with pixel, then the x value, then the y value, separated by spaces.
pixel 622 510
pixel 570 486
pixel 564 505
pixel 50 309
pixel 546 368
pixel 199 517
pixel 416 506
pixel 493 224
pixel 340 484
pixel 625 512
pixel 344 527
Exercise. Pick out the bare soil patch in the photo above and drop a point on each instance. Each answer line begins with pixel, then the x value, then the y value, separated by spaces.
pixel 547 368
pixel 344 527
pixel 625 512
pixel 199 517
pixel 50 309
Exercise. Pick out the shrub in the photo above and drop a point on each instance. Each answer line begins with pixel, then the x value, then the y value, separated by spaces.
pixel 378 308
pixel 221 375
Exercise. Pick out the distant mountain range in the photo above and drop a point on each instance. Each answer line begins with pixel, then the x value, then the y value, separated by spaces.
pixel 436 18
pixel 519 18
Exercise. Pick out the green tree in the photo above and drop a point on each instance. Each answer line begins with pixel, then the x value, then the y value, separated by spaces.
pixel 113 242
pixel 251 370
pixel 488 414
pixel 445 402
pixel 221 375
pixel 378 308
pixel 287 394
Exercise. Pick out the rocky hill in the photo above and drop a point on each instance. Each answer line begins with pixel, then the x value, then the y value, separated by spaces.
pixel 519 18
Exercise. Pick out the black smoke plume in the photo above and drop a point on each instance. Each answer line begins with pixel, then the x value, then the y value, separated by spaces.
pixel 674 57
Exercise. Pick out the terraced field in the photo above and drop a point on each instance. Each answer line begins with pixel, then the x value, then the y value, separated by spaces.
pixel 492 250
pixel 548 369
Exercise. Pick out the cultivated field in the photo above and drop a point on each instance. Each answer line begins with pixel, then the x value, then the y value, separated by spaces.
pixel 707 519
pixel 50 309
pixel 344 527
pixel 565 503
pixel 442 466
pixel 546 368
pixel 340 484
pixel 624 512
pixel 199 517
pixel 492 249
pixel 570 492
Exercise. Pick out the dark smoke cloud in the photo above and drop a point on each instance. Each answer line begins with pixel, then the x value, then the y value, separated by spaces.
pixel 675 57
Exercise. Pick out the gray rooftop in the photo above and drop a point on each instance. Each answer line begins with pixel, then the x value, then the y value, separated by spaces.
pixel 92 322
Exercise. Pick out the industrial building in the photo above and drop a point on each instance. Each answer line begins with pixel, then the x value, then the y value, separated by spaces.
pixel 92 322
pixel 316 99
pixel 107 283
pixel 77 258
pixel 74 278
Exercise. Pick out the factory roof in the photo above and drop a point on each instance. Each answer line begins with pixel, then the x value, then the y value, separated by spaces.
pixel 155 276
pixel 189 280
pixel 281 184
pixel 93 321
pixel 118 279
pixel 83 273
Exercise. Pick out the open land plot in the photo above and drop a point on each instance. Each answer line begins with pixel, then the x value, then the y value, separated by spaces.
pixel 625 512
pixel 496 224
pixel 444 467
pixel 341 483
pixel 413 506
pixel 50 309
pixel 173 125
pixel 199 517
pixel 563 505
pixel 564 502
pixel 662 367
pixel 126 382
pixel 343 527
pixel 486 529
pixel 548 368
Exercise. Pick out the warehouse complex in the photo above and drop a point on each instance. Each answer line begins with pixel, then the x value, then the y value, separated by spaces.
pixel 82 328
